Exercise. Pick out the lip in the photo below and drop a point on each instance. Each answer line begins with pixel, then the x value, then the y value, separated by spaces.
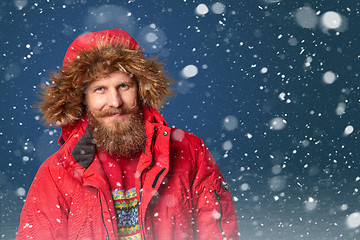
pixel 117 116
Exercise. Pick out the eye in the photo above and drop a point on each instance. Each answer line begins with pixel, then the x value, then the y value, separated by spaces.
pixel 124 86
pixel 99 89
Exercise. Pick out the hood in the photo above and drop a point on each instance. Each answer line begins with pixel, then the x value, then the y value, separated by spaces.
pixel 90 40
pixel 92 56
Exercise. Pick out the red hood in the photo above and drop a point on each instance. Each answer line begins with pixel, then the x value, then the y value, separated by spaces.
pixel 89 40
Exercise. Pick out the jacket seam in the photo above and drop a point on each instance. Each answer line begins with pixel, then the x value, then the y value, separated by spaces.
pixel 82 226
pixel 61 193
pixel 102 214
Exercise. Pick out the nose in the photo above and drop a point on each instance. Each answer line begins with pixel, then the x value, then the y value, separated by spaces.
pixel 114 99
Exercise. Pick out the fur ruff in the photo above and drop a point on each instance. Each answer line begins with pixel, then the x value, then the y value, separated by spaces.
pixel 63 100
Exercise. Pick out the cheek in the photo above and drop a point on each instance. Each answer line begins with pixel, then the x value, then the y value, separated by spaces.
pixel 135 96
pixel 94 103
pixel 131 98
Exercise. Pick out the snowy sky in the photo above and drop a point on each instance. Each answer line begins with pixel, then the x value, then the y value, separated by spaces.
pixel 271 86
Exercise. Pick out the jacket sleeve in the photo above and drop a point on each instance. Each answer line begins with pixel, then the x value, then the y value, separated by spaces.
pixel 214 210
pixel 44 214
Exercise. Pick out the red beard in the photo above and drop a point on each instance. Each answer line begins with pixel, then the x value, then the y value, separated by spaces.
pixel 123 139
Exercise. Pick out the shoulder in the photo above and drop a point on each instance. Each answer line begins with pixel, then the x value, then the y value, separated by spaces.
pixel 187 144
pixel 182 137
pixel 57 164
pixel 50 165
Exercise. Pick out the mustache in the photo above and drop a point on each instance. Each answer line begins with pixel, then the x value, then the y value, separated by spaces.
pixel 112 111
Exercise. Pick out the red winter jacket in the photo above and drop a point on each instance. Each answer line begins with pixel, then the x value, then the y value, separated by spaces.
pixel 183 194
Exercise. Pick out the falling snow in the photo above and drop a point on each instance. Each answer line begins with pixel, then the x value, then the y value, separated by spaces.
pixel 271 86
pixel 202 9
pixel 189 71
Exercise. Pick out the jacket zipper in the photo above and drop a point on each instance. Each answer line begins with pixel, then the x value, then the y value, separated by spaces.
pixel 157 177
pixel 218 200
pixel 152 160
pixel 102 216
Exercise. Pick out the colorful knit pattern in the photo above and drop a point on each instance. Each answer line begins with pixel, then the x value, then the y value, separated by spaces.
pixel 126 211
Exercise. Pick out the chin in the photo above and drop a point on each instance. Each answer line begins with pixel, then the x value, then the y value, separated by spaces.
pixel 115 122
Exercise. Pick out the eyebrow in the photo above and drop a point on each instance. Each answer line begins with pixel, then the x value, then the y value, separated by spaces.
pixel 95 85
pixel 98 84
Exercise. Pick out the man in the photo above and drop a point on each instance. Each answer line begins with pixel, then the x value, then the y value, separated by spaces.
pixel 121 172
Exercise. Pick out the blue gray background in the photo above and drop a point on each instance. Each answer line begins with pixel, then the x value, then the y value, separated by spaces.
pixel 271 86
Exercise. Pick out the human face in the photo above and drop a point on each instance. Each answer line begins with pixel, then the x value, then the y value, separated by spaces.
pixel 110 98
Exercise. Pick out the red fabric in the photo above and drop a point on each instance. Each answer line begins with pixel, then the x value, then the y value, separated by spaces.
pixel 88 40
pixel 120 172
pixel 177 180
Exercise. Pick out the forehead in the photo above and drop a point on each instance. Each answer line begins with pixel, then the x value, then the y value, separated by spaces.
pixel 118 77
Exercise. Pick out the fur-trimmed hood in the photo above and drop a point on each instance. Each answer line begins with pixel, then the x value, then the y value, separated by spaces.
pixel 95 55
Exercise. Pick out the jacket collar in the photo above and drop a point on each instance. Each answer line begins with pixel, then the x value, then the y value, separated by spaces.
pixel 85 149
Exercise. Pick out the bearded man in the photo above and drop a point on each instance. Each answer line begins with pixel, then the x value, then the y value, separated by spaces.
pixel 121 172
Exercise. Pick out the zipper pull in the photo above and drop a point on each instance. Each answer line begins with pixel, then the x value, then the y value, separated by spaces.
pixel 225 185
